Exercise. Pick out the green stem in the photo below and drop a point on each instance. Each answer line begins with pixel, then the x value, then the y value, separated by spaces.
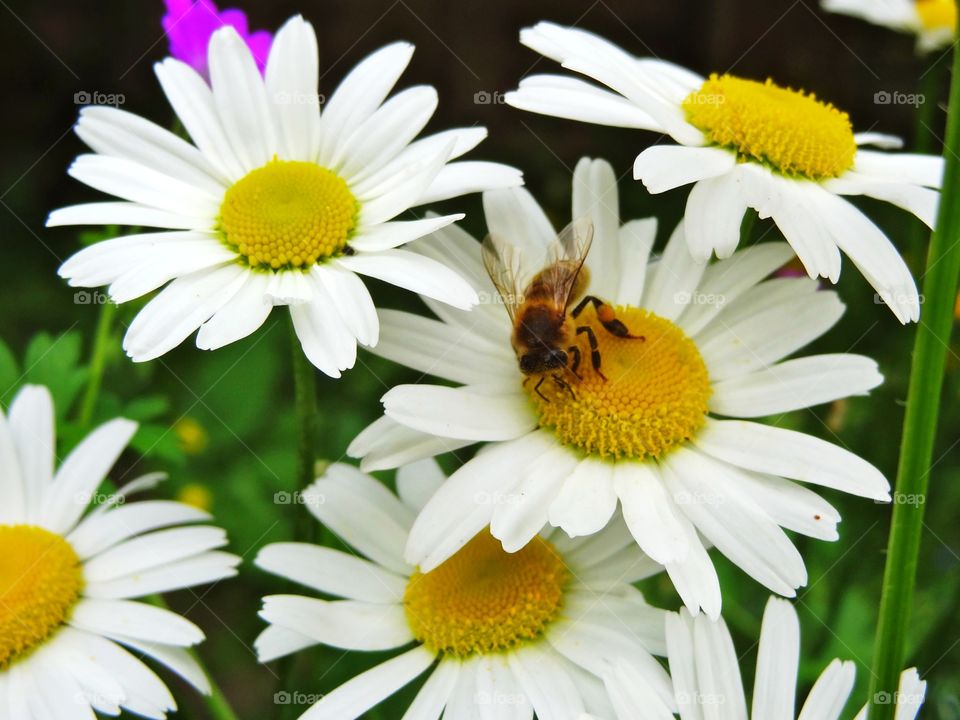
pixel 305 400
pixel 926 140
pixel 920 423
pixel 98 361
pixel 216 701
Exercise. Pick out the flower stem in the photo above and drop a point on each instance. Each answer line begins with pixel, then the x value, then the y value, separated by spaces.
pixel 920 424
pixel 98 360
pixel 305 401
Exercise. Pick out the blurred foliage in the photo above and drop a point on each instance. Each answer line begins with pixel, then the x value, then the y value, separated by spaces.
pixel 238 400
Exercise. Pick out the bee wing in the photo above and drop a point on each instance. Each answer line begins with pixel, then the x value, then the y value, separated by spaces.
pixel 504 265
pixel 567 255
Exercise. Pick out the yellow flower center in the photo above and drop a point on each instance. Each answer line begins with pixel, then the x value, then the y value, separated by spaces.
pixel 485 600
pixel 937 14
pixel 40 581
pixel 654 396
pixel 288 214
pixel 790 130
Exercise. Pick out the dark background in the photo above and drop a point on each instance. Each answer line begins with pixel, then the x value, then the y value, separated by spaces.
pixel 241 396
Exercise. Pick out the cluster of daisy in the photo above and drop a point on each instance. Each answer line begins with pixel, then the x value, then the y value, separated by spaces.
pixel 615 390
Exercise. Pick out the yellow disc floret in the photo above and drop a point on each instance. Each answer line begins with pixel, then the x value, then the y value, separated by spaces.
pixel 485 600
pixel 40 581
pixel 937 14
pixel 792 131
pixel 288 214
pixel 654 396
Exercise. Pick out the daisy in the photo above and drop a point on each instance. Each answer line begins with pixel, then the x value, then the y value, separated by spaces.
pixel 275 203
pixel 745 144
pixel 706 675
pixel 71 634
pixel 932 21
pixel 499 635
pixel 649 434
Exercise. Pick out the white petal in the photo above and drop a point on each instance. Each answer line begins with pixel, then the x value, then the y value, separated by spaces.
pixel 713 216
pixel 135 620
pixel 291 79
pixel 362 692
pixel 418 481
pixel 399 232
pixel 830 692
pixel 595 198
pixel 332 572
pixel 352 299
pixel 346 624
pixel 586 500
pixel 467 177
pixel 180 308
pixel 363 513
pixel 636 240
pixel 461 413
pixel 677 276
pixel 125 213
pixel 82 472
pixel 794 384
pixel 650 512
pixel 241 99
pixel 665 167
pixel 435 693
pixel 327 342
pixel 573 99
pixel 416 273
pixel 386 444
pixel 791 454
pixel 152 550
pixel 242 316
pixel 32 428
pixel 545 683
pixel 13 490
pixel 718 671
pixel 913 168
pixel 515 216
pixel 360 93
pixel 778 659
pixel 695 577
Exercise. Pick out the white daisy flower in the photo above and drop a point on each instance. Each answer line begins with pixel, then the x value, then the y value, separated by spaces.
pixel 500 635
pixel 706 674
pixel 934 22
pixel 275 203
pixel 71 634
pixel 649 432
pixel 745 144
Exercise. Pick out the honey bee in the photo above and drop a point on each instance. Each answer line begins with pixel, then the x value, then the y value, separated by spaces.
pixel 544 332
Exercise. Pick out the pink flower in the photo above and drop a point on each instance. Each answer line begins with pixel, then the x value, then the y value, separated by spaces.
pixel 190 23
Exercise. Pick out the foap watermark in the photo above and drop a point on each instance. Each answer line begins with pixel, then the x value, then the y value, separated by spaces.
pixel 895 97
pixel 285 97
pixel 705 99
pixel 700 298
pixel 298 498
pixel 886 297
pixel 497 498
pixel 700 698
pixel 99 498
pixel 485 97
pixel 86 297
pixel 499 698
pixel 685 497
pixel 899 498
pixel 296 698
pixel 898 698
pixel 495 298
pixel 96 97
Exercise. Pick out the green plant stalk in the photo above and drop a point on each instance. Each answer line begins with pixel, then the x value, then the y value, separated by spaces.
pixel 98 361
pixel 305 402
pixel 920 423
pixel 926 140
pixel 216 701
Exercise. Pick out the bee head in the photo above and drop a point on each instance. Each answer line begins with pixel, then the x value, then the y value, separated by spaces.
pixel 542 361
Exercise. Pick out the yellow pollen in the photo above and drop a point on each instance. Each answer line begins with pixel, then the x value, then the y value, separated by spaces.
pixel 937 14
pixel 40 581
pixel 654 398
pixel 485 600
pixel 288 214
pixel 792 131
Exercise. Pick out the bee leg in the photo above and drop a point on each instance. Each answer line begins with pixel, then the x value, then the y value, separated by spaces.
pixel 606 317
pixel 594 348
pixel 575 352
pixel 564 385
pixel 536 389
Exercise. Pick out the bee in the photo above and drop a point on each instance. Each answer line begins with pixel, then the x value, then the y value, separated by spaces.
pixel 544 332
